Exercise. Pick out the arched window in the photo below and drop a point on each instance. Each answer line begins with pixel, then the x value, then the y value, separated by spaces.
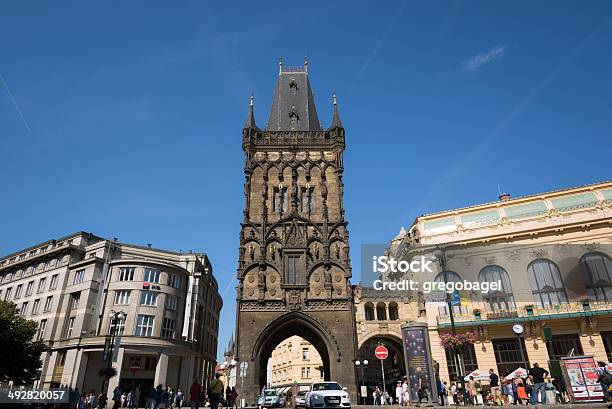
pixel 597 272
pixel 503 299
pixel 450 277
pixel 369 311
pixel 393 312
pixel 546 284
pixel 381 311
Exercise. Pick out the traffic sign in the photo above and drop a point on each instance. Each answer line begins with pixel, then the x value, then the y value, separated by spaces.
pixel 243 368
pixel 381 352
pixel 134 364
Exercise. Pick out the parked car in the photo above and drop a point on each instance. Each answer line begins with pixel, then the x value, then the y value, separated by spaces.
pixel 270 399
pixel 300 399
pixel 327 395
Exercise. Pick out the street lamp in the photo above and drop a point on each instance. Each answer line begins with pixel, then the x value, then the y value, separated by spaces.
pixel 116 317
pixel 361 365
pixel 441 256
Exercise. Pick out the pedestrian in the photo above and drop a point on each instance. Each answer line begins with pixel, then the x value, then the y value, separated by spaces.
pixel 494 383
pixel 159 395
pixel 399 392
pixel 471 391
pixel 194 394
pixel 150 403
pixel 422 386
pixel 537 375
pixel 172 395
pixel 551 392
pixel 559 384
pixel 215 391
pixel 137 396
pixel 405 393
pixel 506 391
pixel 440 389
pixel 521 392
pixel 166 397
pixel 453 391
pixel 228 396
pixel 377 395
pixel 235 397
pixel 178 399
pixel 445 392
pixel 604 377
pixel 117 397
pixel 102 400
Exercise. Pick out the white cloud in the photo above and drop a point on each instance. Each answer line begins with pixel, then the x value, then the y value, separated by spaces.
pixel 474 63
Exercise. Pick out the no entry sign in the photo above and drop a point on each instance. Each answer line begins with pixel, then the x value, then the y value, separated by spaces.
pixel 381 352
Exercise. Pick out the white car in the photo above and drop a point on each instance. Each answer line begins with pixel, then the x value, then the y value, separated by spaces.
pixel 327 395
pixel 300 399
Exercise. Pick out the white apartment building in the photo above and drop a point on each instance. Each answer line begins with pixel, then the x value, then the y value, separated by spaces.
pixel 72 285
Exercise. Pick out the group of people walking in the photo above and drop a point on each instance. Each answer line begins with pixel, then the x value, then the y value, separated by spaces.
pixel 536 387
pixel 161 397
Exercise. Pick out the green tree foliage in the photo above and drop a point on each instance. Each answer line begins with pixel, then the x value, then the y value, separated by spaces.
pixel 19 354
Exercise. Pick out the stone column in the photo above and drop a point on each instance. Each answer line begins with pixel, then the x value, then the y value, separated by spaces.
pixel 78 375
pixel 535 351
pixel 114 381
pixel 593 345
pixel 161 370
pixel 485 356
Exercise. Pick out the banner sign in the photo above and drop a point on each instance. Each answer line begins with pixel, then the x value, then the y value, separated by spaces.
pixel 417 355
pixel 581 375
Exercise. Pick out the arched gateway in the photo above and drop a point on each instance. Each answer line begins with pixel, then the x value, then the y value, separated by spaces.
pixel 294 266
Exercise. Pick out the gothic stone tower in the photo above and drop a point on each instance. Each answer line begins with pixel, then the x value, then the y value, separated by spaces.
pixel 294 269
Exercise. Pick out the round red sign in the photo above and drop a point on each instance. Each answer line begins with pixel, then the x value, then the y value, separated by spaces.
pixel 381 352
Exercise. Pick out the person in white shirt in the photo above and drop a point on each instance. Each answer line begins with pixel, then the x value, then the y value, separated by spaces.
pixel 399 392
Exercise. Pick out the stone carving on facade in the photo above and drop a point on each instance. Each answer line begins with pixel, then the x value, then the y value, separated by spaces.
pixel 539 253
pixel 513 255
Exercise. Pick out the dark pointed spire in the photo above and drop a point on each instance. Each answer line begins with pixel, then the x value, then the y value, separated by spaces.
pixel 336 122
pixel 250 122
pixel 293 107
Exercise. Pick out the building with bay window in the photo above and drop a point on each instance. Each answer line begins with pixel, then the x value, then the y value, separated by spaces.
pixel 170 305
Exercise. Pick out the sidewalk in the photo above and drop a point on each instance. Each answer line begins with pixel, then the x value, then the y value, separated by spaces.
pixel 555 406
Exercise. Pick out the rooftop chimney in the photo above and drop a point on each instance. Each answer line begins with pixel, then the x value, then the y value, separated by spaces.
pixel 504 197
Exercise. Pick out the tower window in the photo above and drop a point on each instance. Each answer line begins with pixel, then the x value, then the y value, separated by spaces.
pixel 294 270
pixel 280 200
pixel 307 202
pixel 293 87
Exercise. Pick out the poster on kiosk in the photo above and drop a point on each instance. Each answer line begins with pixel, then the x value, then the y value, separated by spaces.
pixel 581 376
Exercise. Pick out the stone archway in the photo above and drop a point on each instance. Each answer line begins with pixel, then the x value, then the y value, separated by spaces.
pixel 394 366
pixel 283 328
pixel 320 328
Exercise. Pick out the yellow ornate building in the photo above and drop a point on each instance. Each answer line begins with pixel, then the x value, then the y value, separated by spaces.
pixel 551 253
pixel 294 360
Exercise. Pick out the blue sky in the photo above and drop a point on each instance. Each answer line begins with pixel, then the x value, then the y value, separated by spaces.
pixel 124 118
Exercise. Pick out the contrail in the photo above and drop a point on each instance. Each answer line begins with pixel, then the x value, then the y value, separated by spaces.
pixel 15 104
pixel 378 45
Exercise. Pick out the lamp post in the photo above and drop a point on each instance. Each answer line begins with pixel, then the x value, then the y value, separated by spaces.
pixel 360 365
pixel 115 317
pixel 457 356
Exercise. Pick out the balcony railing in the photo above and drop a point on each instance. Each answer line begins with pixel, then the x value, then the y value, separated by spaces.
pixel 531 312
